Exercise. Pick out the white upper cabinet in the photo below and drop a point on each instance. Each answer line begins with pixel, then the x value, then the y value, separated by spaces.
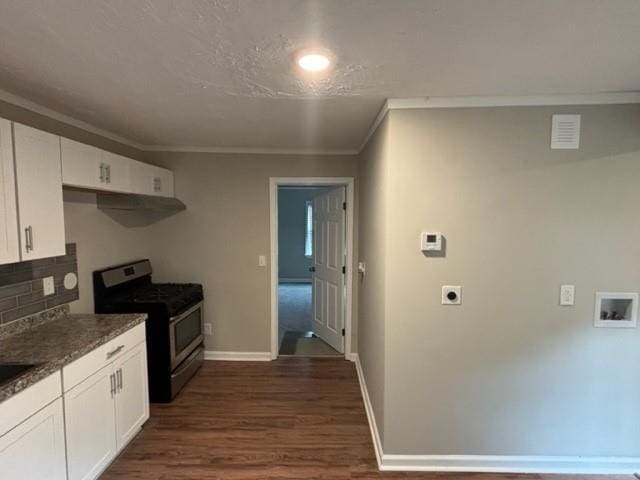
pixel 151 180
pixel 9 248
pixel 117 172
pixel 82 165
pixel 39 185
pixel 89 167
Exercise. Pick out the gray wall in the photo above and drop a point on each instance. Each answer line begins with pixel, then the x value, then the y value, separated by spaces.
pixel 373 166
pixel 510 372
pixel 217 240
pixel 292 219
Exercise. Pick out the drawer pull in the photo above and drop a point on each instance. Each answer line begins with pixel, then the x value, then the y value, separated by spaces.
pixel 115 351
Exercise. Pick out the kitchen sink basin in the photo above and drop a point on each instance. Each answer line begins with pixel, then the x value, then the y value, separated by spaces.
pixel 8 371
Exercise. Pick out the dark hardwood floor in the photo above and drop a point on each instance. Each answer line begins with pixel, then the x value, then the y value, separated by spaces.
pixel 295 418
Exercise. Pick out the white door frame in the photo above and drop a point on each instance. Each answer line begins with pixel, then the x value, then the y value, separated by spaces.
pixel 274 183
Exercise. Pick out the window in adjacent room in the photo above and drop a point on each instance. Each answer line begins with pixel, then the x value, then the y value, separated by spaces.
pixel 308 237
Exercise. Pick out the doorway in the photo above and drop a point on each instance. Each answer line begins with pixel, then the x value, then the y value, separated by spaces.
pixel 311 243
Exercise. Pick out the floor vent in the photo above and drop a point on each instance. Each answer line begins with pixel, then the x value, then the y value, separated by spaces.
pixel 565 132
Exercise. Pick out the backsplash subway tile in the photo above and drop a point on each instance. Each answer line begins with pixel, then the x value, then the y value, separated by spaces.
pixel 21 292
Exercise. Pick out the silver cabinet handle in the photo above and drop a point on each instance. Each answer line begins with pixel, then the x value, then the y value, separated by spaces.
pixel 115 351
pixel 28 239
pixel 119 377
pixel 112 379
pixel 108 169
pixel 102 173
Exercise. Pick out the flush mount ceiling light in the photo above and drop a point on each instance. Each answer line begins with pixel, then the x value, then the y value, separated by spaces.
pixel 313 62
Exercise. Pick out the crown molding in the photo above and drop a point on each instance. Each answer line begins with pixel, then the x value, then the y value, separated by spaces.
pixel 608 98
pixel 49 113
pixel 375 124
pixel 250 150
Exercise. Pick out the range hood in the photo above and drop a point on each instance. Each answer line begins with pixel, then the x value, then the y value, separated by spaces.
pixel 134 201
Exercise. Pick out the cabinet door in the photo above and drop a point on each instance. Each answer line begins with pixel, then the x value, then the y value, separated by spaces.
pixel 82 165
pixel 9 249
pixel 132 398
pixel 90 425
pixel 151 180
pixel 39 183
pixel 117 172
pixel 162 182
pixel 35 448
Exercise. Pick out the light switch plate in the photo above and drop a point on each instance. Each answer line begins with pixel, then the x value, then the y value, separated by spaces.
pixel 567 295
pixel 48 286
pixel 262 261
pixel 208 329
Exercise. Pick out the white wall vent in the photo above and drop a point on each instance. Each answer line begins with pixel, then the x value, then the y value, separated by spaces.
pixel 565 131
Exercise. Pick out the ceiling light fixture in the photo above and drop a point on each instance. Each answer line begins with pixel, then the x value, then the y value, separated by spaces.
pixel 314 62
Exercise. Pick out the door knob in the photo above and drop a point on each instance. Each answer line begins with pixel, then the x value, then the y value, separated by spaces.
pixel 312 269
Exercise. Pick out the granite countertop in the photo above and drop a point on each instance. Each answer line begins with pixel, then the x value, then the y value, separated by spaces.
pixel 57 343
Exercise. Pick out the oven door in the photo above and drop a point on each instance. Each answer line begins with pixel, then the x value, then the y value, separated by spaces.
pixel 185 333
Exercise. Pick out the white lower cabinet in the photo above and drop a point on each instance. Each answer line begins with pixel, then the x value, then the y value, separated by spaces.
pixel 132 397
pixel 90 423
pixel 106 410
pixel 35 448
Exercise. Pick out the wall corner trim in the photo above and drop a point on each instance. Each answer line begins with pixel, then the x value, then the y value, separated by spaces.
pixel 490 463
pixel 238 356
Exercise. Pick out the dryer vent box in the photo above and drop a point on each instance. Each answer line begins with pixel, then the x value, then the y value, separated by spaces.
pixel 565 132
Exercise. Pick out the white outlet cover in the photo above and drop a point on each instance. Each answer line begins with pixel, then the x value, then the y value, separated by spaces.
pixel 48 286
pixel 567 295
pixel 448 289
pixel 208 329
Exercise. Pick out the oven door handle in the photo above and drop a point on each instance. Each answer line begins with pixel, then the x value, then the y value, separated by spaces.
pixel 186 313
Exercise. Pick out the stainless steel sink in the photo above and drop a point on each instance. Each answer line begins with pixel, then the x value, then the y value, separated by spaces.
pixel 9 371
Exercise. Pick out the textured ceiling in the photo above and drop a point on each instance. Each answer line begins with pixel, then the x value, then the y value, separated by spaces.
pixel 220 73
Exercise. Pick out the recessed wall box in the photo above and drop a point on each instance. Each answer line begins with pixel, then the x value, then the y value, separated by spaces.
pixel 431 241
pixel 616 309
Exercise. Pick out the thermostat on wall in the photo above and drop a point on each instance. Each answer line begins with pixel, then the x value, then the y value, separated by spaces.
pixel 431 241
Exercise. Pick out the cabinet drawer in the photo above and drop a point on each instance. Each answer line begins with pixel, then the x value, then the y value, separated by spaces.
pixel 24 404
pixel 93 361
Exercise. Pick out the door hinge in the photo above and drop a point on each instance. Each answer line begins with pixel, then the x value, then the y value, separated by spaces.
pixel 344 270
pixel 344 205
pixel 343 332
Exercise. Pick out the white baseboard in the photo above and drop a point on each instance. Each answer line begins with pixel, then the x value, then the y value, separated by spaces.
pixel 294 280
pixel 352 357
pixel 373 426
pixel 490 463
pixel 238 356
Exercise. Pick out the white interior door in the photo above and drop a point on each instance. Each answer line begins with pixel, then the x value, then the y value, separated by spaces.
pixel 328 277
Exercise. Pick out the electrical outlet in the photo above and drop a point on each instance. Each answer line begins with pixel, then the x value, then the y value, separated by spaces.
pixel 567 295
pixel 208 329
pixel 48 286
pixel 451 295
